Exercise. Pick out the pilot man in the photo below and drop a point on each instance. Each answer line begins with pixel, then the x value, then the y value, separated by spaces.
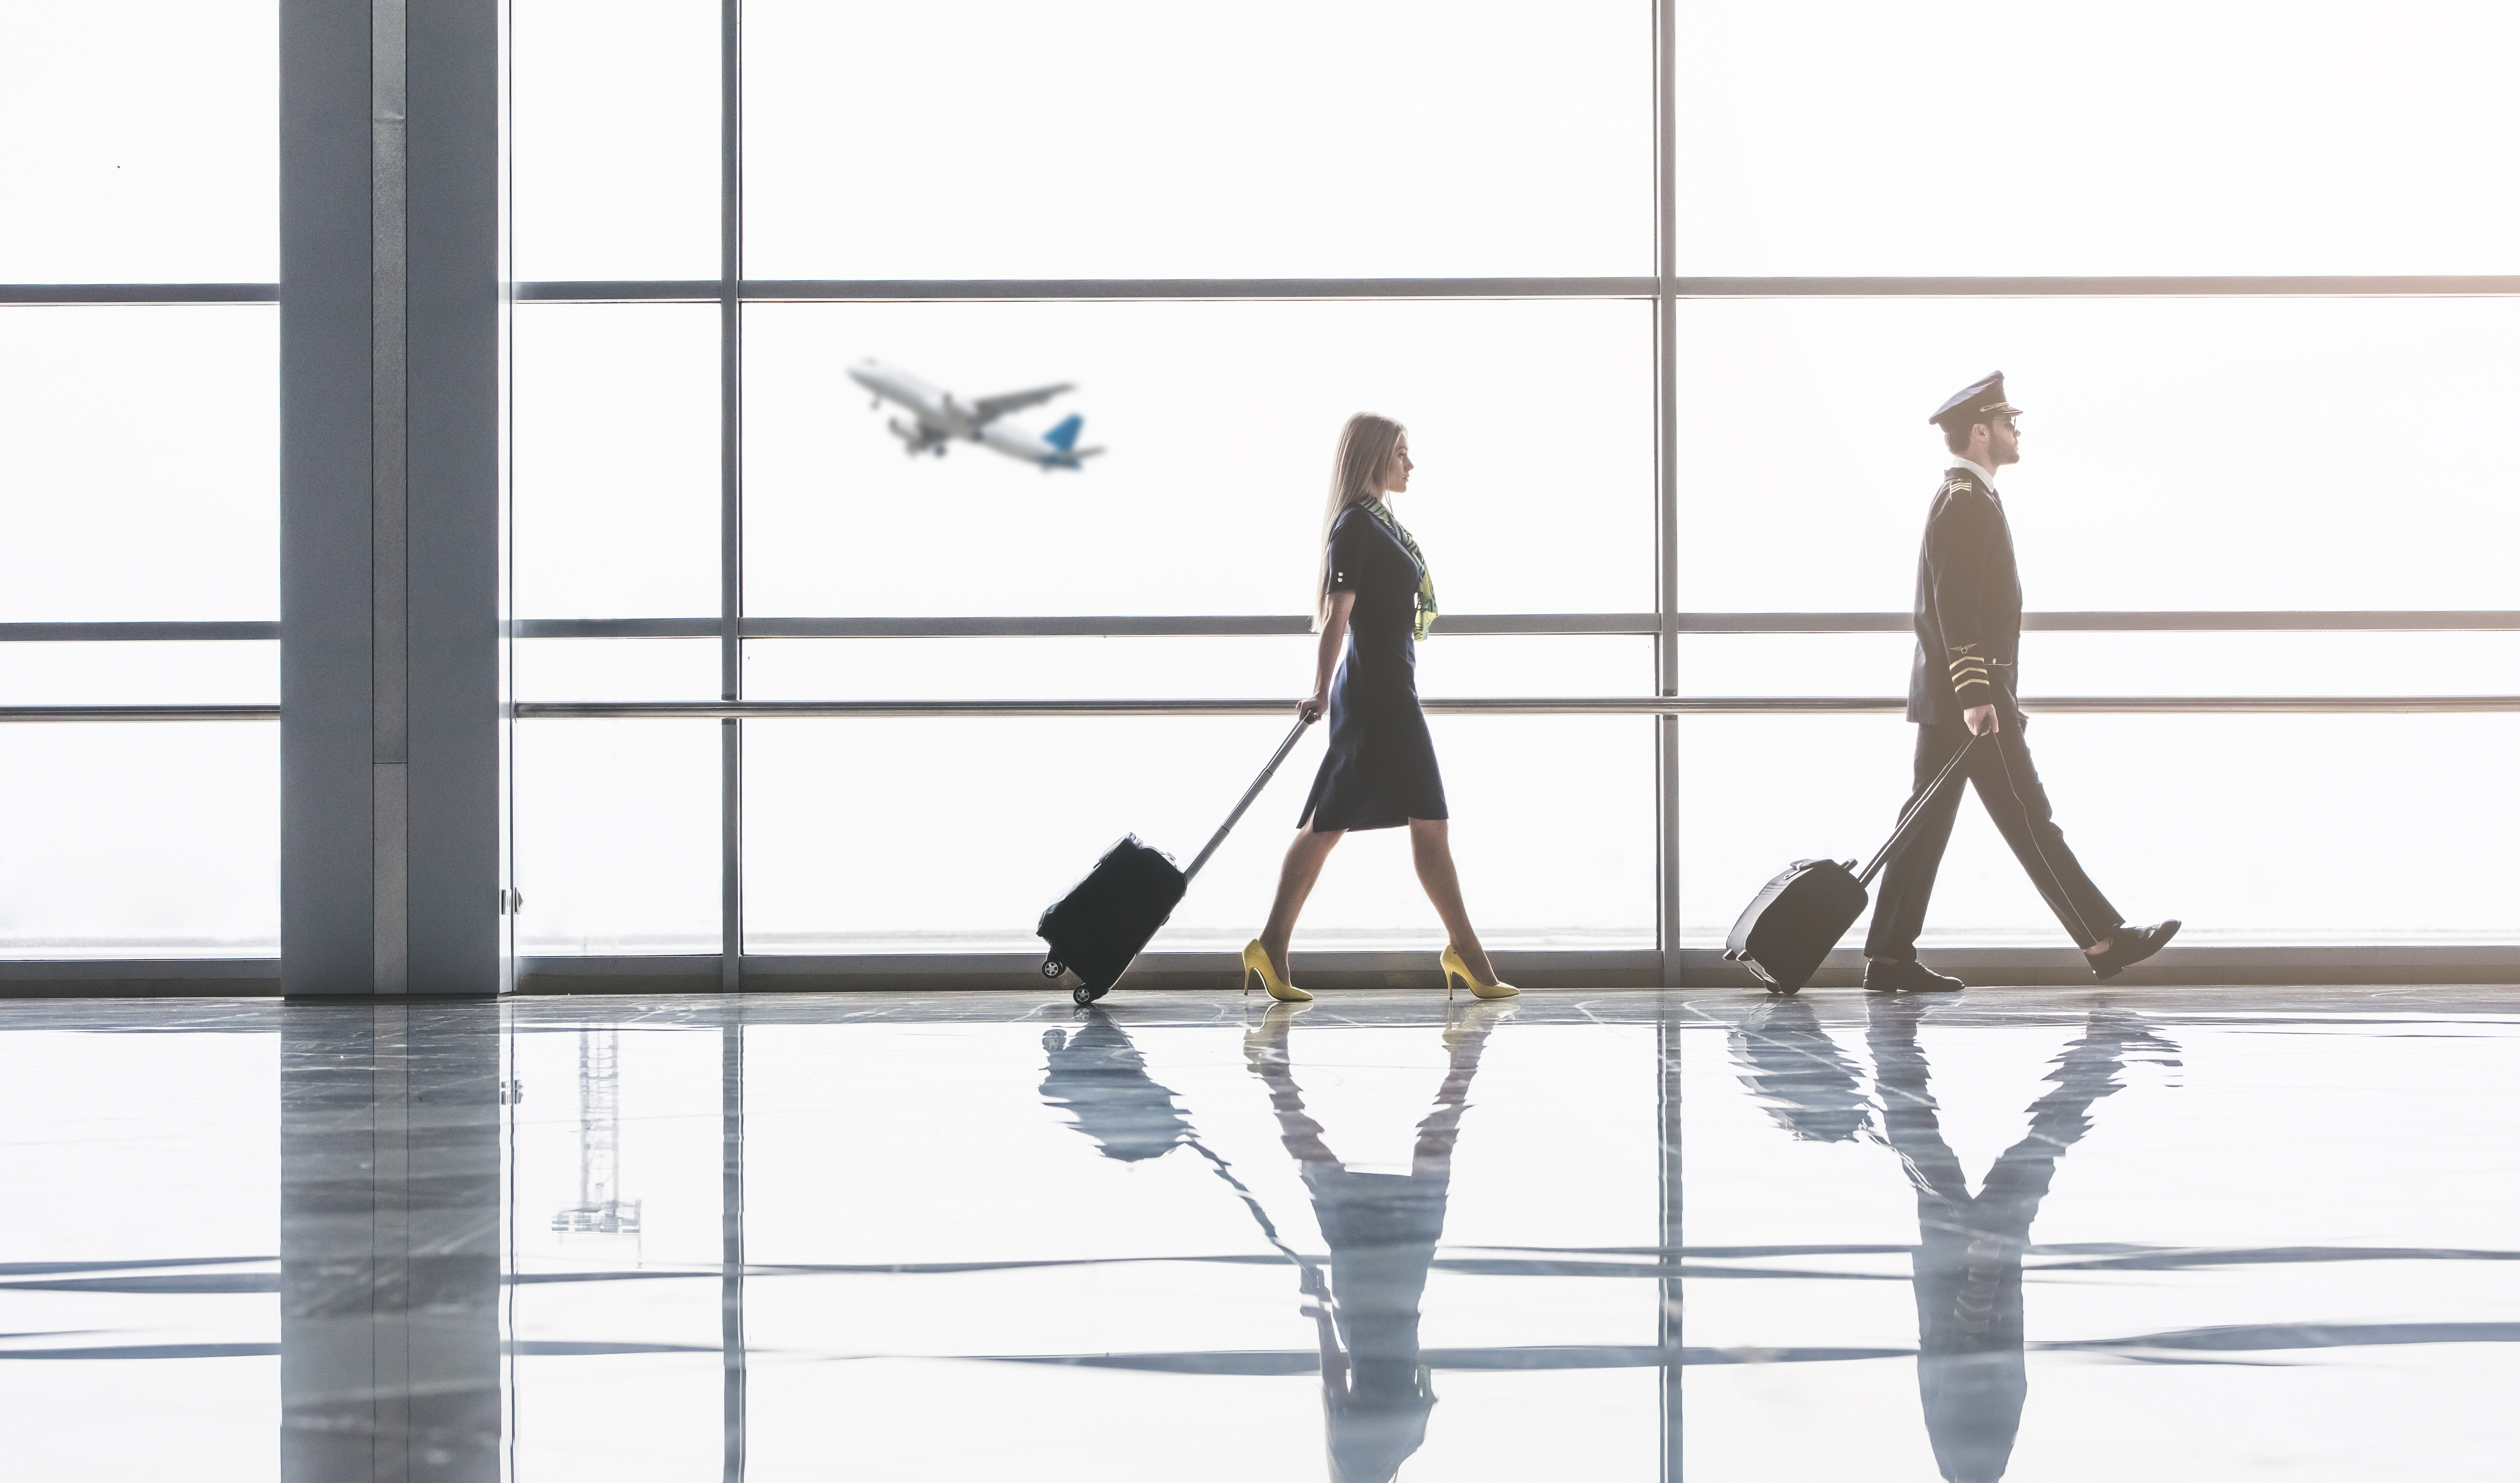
pixel 1968 636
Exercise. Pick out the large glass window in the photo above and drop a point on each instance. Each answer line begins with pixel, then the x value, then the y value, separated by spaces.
pixel 615 138
pixel 143 143
pixel 2154 137
pixel 2176 453
pixel 139 480
pixel 2254 828
pixel 616 461
pixel 2233 449
pixel 1204 244
pixel 852 824
pixel 139 514
pixel 1217 421
pixel 1149 140
pixel 139 462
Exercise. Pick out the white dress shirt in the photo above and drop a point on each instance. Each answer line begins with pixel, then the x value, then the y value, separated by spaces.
pixel 1987 474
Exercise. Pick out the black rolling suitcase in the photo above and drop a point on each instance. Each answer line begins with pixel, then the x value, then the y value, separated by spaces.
pixel 1098 930
pixel 1788 928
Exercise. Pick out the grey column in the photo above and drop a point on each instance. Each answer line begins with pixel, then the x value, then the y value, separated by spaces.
pixel 389 1281
pixel 392 498
pixel 1666 362
pixel 730 310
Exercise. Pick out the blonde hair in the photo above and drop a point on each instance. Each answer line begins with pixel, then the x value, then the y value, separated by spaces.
pixel 1365 446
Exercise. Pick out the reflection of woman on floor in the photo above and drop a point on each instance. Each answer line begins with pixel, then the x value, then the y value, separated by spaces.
pixel 1969 1369
pixel 1381 1229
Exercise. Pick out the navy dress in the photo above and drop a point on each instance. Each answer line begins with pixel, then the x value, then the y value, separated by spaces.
pixel 1380 768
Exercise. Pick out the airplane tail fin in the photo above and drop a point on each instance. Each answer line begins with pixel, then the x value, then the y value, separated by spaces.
pixel 1064 437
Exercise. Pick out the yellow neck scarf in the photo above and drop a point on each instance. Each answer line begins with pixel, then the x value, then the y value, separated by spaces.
pixel 1381 512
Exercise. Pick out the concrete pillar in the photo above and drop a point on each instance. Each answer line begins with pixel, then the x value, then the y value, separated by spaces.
pixel 392 498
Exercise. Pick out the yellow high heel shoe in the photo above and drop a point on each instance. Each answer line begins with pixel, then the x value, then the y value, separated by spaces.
pixel 1255 962
pixel 1458 971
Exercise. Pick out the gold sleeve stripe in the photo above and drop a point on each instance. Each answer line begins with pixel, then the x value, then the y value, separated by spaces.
pixel 1965 684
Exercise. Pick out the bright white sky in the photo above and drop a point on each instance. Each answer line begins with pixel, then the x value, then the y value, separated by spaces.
pixel 1138 138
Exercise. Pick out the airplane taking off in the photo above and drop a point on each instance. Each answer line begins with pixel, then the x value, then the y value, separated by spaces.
pixel 938 417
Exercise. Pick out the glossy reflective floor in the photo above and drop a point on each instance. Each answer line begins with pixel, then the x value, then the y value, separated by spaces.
pixel 2046 1235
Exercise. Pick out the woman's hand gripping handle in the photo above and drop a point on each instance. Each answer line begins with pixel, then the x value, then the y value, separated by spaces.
pixel 1326 659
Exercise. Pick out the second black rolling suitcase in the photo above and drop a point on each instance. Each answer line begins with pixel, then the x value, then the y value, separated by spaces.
pixel 1100 926
pixel 1788 928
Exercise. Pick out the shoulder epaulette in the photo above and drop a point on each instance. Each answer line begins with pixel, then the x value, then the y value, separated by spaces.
pixel 1961 485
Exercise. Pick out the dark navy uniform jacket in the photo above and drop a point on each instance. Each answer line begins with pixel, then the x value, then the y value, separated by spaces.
pixel 1968 606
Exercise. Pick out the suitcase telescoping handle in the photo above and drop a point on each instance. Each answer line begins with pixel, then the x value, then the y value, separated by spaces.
pixel 1910 817
pixel 1253 792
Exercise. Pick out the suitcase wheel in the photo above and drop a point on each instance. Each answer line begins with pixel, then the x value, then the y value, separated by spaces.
pixel 1085 996
pixel 1052 968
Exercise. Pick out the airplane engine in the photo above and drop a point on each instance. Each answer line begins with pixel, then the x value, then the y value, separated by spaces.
pixel 915 439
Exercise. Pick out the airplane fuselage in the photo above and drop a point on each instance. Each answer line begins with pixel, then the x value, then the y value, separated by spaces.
pixel 936 410
pixel 938 417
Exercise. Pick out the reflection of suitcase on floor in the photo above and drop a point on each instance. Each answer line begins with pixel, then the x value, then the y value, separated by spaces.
pixel 1788 930
pixel 1101 927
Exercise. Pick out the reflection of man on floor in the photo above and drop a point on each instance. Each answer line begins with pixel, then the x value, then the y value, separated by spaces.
pixel 1381 1229
pixel 1969 1369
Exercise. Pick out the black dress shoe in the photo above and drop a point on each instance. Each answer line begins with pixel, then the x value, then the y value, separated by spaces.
pixel 1900 975
pixel 2130 945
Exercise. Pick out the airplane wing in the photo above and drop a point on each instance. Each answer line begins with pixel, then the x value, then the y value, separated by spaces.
pixel 989 409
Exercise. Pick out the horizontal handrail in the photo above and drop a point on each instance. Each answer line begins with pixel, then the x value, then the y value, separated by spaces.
pixel 2161 286
pixel 1540 706
pixel 1278 626
pixel 2237 620
pixel 884 290
pixel 1617 286
pixel 1107 626
pixel 969 290
pixel 139 293
pixel 139 712
pixel 192 631
pixel 1273 625
pixel 1505 706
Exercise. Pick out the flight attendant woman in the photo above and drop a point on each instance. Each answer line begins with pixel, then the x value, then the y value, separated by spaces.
pixel 1376 600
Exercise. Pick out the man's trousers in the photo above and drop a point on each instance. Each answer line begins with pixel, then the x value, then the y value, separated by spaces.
pixel 2000 769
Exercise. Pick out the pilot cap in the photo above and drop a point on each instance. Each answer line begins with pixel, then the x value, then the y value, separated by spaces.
pixel 1975 403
